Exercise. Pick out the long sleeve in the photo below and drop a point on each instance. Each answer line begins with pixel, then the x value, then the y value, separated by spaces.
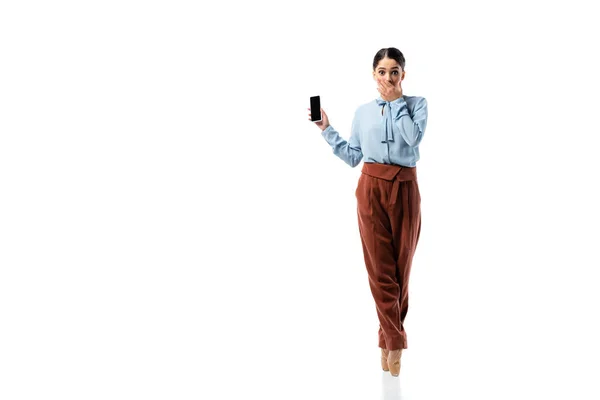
pixel 349 151
pixel 412 128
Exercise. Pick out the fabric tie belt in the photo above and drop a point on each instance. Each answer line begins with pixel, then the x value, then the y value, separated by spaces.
pixel 390 172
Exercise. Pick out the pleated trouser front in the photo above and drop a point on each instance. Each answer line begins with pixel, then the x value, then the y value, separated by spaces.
pixel 389 221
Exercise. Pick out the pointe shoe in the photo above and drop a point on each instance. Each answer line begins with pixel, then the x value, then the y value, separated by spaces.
pixel 394 361
pixel 384 360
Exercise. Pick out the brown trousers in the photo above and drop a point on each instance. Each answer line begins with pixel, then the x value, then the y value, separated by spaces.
pixel 389 221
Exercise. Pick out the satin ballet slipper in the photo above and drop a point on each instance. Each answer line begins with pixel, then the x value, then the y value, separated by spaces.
pixel 394 361
pixel 384 360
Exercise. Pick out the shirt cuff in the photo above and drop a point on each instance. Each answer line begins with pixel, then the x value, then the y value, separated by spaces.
pixel 327 130
pixel 329 134
pixel 399 108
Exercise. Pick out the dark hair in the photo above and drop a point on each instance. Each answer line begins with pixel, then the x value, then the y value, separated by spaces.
pixel 390 52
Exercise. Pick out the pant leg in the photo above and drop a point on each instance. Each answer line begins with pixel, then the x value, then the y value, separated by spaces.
pixel 405 219
pixel 381 259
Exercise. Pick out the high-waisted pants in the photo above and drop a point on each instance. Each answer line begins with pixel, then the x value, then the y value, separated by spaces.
pixel 389 221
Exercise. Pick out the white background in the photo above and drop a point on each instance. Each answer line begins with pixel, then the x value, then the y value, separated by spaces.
pixel 173 227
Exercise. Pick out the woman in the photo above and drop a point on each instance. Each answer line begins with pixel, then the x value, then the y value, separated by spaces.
pixel 386 133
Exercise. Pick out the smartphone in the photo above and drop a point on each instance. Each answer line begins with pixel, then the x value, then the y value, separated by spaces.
pixel 315 108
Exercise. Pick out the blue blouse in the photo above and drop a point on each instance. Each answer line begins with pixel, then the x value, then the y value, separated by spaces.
pixel 389 138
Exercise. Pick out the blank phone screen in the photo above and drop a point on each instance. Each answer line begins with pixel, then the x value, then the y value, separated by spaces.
pixel 315 108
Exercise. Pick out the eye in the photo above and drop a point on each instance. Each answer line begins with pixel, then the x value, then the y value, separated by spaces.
pixel 396 72
pixel 380 72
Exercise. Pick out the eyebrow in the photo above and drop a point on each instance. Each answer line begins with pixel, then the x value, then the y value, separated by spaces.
pixel 390 68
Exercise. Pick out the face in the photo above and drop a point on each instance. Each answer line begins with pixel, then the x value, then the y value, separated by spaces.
pixel 389 70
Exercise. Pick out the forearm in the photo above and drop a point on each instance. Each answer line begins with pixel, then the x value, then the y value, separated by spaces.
pixel 341 148
pixel 411 128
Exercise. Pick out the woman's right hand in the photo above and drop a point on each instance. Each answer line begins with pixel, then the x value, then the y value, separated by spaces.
pixel 323 123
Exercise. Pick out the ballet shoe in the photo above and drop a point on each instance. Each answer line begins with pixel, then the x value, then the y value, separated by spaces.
pixel 393 359
pixel 384 360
